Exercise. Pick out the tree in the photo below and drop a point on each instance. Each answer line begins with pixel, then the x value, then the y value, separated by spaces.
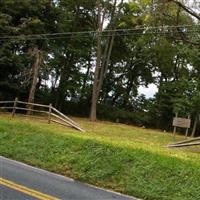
pixel 186 8
pixel 69 56
pixel 140 42
pixel 38 59
pixel 29 18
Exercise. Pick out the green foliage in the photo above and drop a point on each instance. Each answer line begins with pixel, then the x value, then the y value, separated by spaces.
pixel 168 58
pixel 21 18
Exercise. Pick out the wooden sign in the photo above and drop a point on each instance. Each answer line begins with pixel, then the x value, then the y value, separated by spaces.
pixel 181 122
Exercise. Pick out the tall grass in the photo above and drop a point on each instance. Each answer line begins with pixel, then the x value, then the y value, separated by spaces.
pixel 127 159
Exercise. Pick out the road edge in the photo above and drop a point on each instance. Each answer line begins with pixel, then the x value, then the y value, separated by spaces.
pixel 67 178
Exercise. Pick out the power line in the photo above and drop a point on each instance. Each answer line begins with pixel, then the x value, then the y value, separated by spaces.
pixel 86 36
pixel 118 32
pixel 117 35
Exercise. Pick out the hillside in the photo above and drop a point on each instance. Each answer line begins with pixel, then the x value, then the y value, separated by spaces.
pixel 123 158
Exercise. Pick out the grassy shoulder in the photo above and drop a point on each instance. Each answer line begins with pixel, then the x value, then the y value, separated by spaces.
pixel 127 159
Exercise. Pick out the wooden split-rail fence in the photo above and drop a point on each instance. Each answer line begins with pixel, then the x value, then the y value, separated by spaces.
pixel 31 109
pixel 186 143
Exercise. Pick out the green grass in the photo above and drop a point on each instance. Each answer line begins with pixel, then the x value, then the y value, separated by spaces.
pixel 127 159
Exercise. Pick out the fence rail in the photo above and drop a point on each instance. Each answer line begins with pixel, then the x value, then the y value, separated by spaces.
pixel 52 113
pixel 186 143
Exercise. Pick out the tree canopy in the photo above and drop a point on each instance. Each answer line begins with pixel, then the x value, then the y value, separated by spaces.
pixel 89 57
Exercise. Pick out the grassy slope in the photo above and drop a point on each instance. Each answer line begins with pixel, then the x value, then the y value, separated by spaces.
pixel 123 158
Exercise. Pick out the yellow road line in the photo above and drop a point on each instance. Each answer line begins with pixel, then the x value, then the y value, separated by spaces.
pixel 26 190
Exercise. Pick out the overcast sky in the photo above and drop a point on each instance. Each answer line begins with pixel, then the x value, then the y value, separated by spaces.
pixel 149 91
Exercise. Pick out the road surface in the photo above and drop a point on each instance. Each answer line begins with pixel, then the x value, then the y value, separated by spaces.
pixel 19 181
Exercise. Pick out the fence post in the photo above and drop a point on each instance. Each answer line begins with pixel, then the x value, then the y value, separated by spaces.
pixel 174 132
pixel 14 107
pixel 50 111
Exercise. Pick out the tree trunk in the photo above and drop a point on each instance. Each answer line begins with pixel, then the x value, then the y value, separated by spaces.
pixel 93 114
pixel 35 71
pixel 108 49
pixel 85 79
pixel 194 126
pixel 60 94
pixel 102 64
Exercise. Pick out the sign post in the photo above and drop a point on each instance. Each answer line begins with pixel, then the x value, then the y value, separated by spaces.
pixel 182 123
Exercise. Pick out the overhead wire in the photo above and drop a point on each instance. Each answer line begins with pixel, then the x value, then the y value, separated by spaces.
pixel 105 33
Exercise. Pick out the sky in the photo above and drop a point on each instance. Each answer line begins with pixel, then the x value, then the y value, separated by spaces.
pixel 149 91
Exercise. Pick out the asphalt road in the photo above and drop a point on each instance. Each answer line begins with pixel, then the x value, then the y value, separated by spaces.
pixel 22 182
pixel 10 194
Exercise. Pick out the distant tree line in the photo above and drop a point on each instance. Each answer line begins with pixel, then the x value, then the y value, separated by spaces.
pixel 89 57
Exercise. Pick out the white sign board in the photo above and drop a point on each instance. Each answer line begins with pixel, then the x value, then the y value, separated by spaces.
pixel 181 122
